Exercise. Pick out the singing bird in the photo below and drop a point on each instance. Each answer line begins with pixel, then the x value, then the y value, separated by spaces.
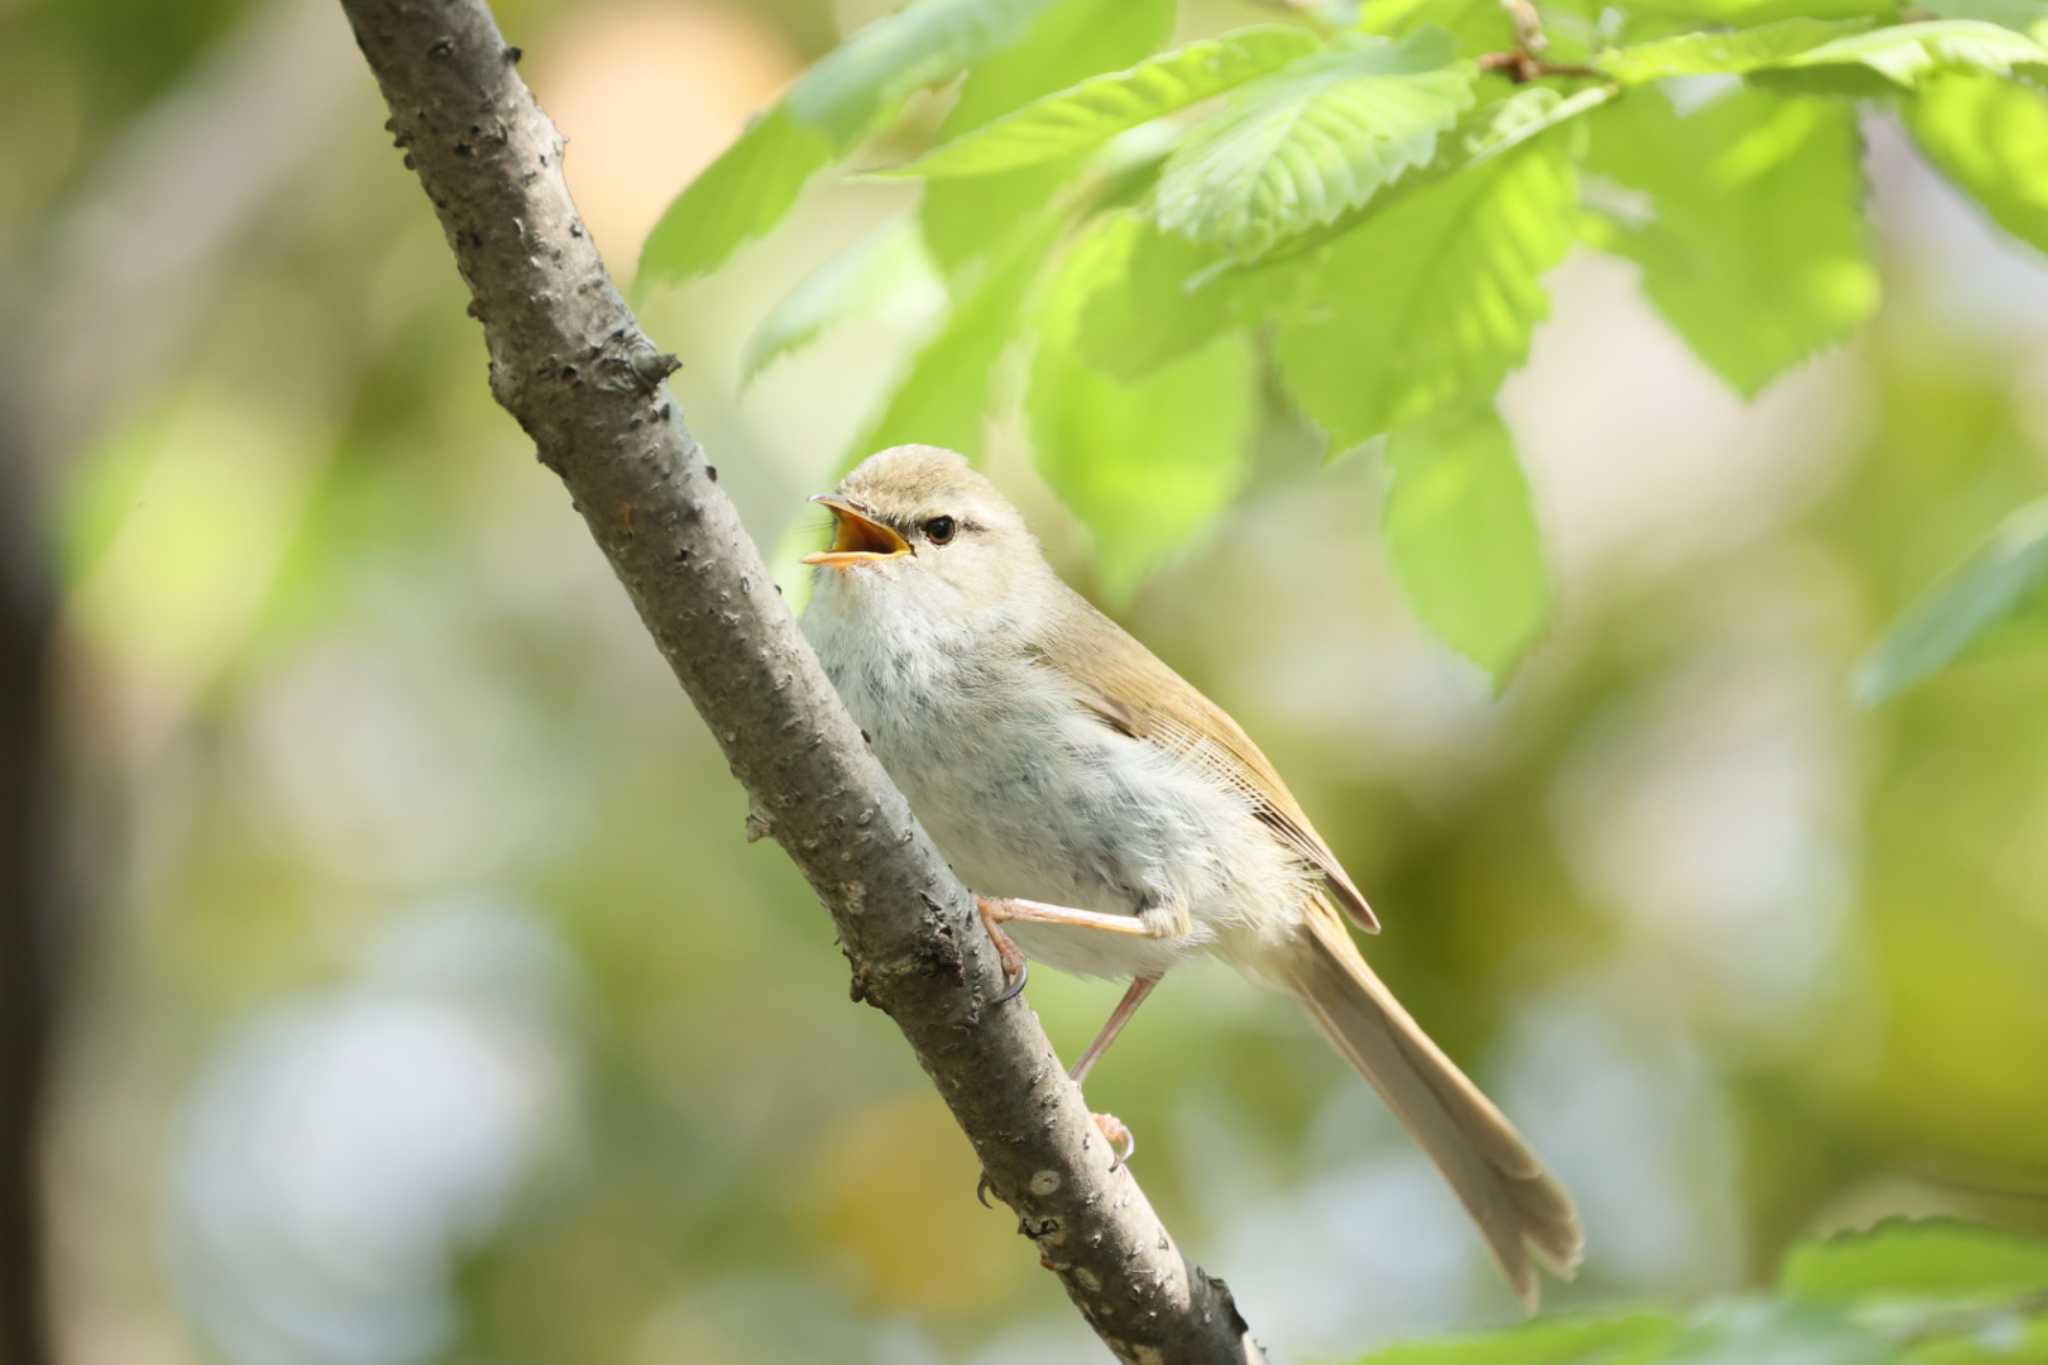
pixel 1112 819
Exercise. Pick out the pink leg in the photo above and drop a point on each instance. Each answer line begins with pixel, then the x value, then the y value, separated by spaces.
pixel 1038 912
pixel 1120 1138
pixel 994 911
pixel 1121 1015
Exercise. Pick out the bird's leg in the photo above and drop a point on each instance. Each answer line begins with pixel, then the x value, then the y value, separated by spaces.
pixel 994 911
pixel 1016 970
pixel 1154 922
pixel 1118 1017
pixel 1000 909
pixel 1120 1138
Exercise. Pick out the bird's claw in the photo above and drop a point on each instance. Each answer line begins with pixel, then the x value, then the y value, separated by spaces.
pixel 1123 1143
pixel 1015 969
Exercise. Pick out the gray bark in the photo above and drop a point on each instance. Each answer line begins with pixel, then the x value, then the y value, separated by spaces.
pixel 569 362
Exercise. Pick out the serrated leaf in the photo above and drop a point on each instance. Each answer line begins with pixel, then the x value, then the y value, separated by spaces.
pixel 1299 148
pixel 1721 53
pixel 1492 130
pixel 829 110
pixel 2002 583
pixel 1439 294
pixel 945 394
pixel 1146 465
pixel 1086 115
pixel 1903 55
pixel 1070 40
pixel 1758 254
pixel 1637 1339
pixel 1990 138
pixel 885 273
pixel 1463 539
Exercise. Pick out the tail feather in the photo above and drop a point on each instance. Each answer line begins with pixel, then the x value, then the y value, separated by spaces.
pixel 1523 1212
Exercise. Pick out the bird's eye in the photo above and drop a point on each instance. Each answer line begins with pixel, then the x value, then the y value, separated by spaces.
pixel 939 530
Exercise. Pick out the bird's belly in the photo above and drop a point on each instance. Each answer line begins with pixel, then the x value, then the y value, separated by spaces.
pixel 1054 807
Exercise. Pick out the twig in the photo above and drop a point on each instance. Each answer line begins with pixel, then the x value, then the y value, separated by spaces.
pixel 1523 63
pixel 1521 67
pixel 569 362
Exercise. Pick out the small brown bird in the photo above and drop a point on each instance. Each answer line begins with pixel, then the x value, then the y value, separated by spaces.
pixel 1051 756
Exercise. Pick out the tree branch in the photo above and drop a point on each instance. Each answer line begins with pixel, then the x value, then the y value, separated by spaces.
pixel 570 363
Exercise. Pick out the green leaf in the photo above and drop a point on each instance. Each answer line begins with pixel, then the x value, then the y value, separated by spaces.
pixel 1439 295
pixel 886 272
pixel 1757 1331
pixel 1463 539
pixel 829 110
pixel 1931 1258
pixel 1637 1339
pixel 1478 25
pixel 1084 116
pixel 1758 254
pixel 1745 13
pixel 1492 130
pixel 1721 53
pixel 737 197
pixel 946 393
pixel 1145 465
pixel 1160 297
pixel 2004 582
pixel 1990 137
pixel 2021 16
pixel 1144 313
pixel 1070 40
pixel 1310 142
pixel 864 80
pixel 1905 1293
pixel 2004 1339
pixel 1902 56
pixel 1506 124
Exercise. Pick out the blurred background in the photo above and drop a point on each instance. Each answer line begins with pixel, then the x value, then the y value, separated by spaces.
pixel 413 995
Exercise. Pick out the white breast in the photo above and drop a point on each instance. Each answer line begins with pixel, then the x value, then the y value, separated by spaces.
pixel 1029 795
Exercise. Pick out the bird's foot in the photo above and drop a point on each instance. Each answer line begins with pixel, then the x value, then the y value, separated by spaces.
pixel 1123 1143
pixel 1015 969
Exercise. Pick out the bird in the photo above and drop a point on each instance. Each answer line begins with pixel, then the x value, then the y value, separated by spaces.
pixel 1113 821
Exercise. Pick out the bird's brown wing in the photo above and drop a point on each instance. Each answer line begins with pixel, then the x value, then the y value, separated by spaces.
pixel 1132 691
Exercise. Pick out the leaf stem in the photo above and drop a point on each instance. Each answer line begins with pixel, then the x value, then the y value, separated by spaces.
pixel 1521 67
pixel 1524 63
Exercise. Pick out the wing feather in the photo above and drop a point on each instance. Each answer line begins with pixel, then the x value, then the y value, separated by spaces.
pixel 1130 690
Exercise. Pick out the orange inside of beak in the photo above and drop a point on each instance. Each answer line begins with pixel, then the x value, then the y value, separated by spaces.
pixel 856 537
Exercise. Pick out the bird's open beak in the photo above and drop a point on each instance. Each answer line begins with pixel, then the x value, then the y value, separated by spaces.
pixel 858 537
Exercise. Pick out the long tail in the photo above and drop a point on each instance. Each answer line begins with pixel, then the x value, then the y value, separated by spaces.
pixel 1524 1213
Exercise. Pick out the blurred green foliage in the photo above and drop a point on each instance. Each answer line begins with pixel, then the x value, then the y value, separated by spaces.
pixel 1906 1292
pixel 437 1010
pixel 1415 226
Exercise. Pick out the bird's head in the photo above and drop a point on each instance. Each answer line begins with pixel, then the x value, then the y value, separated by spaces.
pixel 916 526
